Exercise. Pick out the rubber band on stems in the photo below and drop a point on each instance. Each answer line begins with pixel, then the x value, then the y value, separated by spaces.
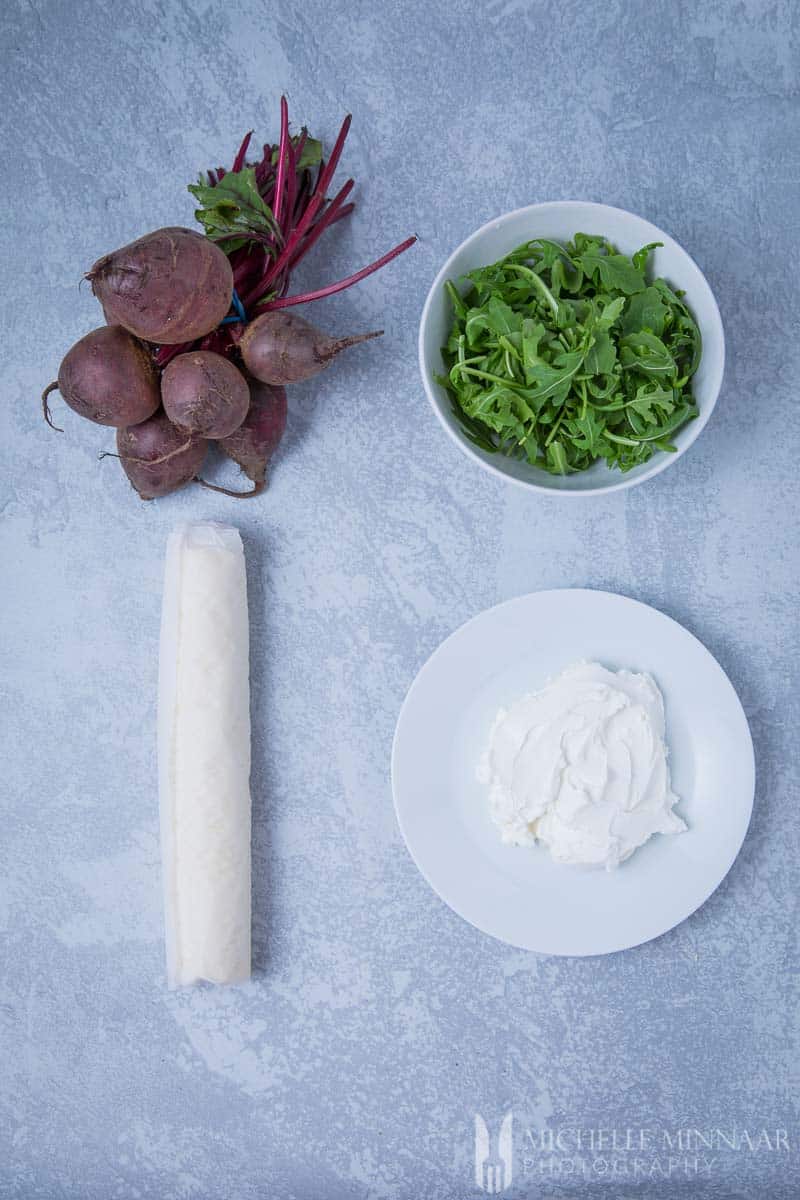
pixel 240 315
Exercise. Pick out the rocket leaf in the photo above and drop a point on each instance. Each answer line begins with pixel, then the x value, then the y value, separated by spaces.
pixel 563 355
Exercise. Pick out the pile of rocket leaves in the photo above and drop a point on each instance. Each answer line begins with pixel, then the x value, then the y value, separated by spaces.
pixel 563 355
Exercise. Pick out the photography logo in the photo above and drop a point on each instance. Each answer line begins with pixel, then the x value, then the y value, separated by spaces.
pixel 494 1163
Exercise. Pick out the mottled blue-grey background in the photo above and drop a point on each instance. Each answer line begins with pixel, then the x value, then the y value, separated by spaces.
pixel 379 1022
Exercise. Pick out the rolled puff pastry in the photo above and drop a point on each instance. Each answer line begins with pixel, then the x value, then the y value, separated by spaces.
pixel 204 756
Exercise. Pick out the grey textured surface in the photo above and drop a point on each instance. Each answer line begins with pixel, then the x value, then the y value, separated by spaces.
pixel 379 1022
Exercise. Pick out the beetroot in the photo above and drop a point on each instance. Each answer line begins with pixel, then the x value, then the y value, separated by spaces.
pixel 257 438
pixel 200 336
pixel 159 458
pixel 267 214
pixel 170 286
pixel 109 377
pixel 205 393
pixel 280 347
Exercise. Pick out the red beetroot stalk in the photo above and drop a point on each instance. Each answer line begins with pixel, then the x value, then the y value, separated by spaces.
pixel 331 214
pixel 277 206
pixel 318 227
pixel 303 193
pixel 292 160
pixel 345 212
pixel 332 288
pixel 316 201
pixel 264 169
pixel 318 196
pixel 301 144
pixel 238 162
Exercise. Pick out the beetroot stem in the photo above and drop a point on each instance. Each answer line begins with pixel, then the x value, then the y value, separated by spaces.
pixel 332 288
pixel 323 221
pixel 167 353
pixel 277 207
pixel 238 162
pixel 253 235
pixel 264 169
pixel 326 175
pixel 324 178
pixel 344 212
pixel 316 201
pixel 285 261
pixel 291 187
pixel 301 144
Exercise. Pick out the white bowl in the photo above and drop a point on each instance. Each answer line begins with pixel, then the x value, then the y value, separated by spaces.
pixel 560 220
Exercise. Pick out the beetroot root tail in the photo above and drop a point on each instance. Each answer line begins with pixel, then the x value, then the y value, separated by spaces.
pixel 51 387
pixel 343 343
pixel 256 489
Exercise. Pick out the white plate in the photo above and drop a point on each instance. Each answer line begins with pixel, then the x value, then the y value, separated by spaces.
pixel 516 893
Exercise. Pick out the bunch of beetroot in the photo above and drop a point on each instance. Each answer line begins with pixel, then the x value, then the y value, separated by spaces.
pixel 198 346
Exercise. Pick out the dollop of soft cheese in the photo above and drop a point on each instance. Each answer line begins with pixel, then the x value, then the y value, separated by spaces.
pixel 582 767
